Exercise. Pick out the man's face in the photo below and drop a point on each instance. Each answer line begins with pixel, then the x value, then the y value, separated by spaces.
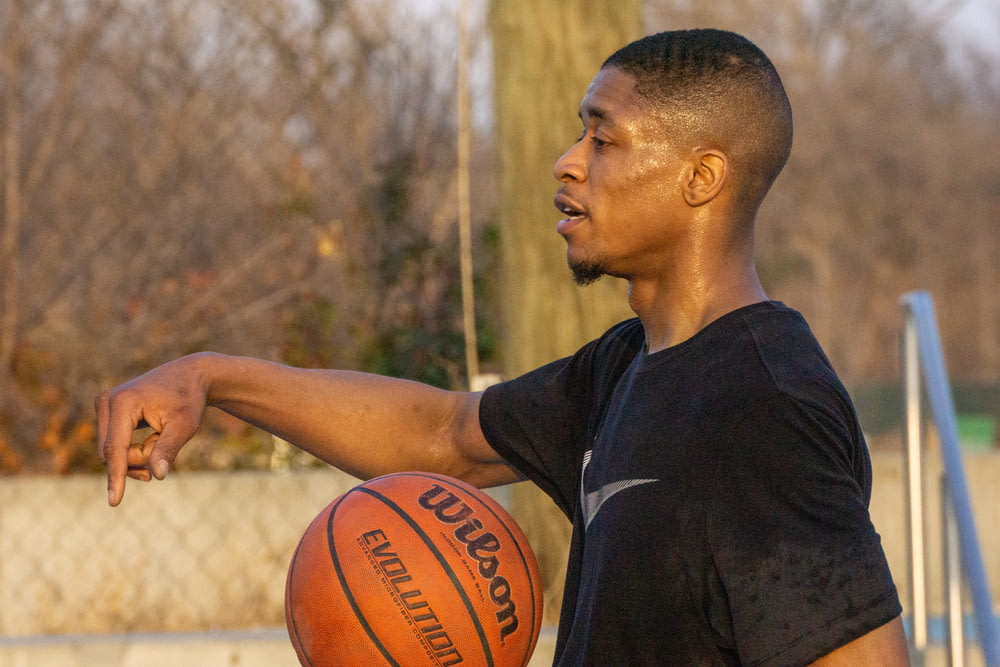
pixel 620 189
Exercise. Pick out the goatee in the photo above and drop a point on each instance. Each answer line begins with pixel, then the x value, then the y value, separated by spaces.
pixel 585 273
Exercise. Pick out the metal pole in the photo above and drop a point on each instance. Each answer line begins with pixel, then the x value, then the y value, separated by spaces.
pixel 942 409
pixel 953 579
pixel 464 205
pixel 914 481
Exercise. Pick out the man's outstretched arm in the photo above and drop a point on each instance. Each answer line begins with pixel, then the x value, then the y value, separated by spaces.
pixel 364 424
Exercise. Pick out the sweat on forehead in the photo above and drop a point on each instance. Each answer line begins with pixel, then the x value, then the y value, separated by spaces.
pixel 720 84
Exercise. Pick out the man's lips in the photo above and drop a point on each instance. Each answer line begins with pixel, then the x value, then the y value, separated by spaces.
pixel 573 211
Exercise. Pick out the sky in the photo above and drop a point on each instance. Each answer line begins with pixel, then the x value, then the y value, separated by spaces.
pixel 980 21
pixel 975 27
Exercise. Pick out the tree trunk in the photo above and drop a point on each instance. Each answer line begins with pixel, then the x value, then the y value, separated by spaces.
pixel 10 222
pixel 545 54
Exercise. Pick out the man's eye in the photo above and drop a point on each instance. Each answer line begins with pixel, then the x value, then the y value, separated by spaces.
pixel 597 142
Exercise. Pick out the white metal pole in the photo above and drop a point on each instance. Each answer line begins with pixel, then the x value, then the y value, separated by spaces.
pixel 953 579
pixel 914 482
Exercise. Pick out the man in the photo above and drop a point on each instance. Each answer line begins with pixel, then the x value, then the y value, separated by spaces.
pixel 709 457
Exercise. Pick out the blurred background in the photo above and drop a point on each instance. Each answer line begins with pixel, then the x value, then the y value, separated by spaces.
pixel 367 184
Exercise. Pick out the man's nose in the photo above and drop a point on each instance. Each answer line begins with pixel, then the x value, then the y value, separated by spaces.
pixel 570 166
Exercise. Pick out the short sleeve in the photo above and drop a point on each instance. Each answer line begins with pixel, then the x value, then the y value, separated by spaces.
pixel 799 559
pixel 542 422
pixel 529 422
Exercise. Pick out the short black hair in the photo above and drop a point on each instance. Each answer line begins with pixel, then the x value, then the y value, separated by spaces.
pixel 728 91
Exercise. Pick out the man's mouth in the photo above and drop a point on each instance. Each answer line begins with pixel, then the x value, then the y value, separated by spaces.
pixel 573 213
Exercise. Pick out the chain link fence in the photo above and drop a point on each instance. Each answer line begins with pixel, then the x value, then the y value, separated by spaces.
pixel 195 552
pixel 209 551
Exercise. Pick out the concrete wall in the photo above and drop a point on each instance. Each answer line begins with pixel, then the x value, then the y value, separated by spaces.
pixel 265 648
pixel 197 551
pixel 888 508
pixel 205 555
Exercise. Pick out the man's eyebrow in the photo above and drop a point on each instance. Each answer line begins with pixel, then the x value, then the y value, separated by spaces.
pixel 598 113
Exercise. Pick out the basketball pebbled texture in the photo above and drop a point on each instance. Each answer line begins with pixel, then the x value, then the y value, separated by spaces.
pixel 413 570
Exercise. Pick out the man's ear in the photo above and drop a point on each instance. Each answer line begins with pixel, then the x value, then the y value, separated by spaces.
pixel 709 174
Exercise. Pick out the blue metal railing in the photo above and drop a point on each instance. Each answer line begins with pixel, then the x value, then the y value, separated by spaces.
pixel 922 347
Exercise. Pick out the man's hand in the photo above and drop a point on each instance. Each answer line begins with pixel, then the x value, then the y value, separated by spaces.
pixel 170 400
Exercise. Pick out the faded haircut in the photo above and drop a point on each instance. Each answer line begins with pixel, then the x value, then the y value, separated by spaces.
pixel 719 88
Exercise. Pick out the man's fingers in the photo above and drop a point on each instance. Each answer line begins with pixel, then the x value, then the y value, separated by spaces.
pixel 164 454
pixel 164 401
pixel 135 457
pixel 138 453
pixel 138 464
pixel 115 451
pixel 101 407
pixel 140 474
pixel 160 468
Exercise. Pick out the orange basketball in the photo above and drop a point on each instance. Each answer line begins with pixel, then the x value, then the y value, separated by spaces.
pixel 413 569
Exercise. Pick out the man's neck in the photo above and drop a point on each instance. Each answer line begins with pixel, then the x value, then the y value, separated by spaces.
pixel 672 314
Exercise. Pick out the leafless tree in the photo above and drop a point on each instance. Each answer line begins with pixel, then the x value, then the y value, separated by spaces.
pixel 265 178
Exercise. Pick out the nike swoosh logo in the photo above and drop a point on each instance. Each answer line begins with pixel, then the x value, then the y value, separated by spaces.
pixel 593 501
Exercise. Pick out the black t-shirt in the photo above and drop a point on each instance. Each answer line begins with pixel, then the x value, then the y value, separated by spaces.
pixel 719 494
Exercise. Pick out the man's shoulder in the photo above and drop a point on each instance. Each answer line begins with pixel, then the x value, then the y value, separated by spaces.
pixel 611 354
pixel 627 332
pixel 786 345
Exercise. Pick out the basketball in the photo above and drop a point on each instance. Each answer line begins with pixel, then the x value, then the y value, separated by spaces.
pixel 413 569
